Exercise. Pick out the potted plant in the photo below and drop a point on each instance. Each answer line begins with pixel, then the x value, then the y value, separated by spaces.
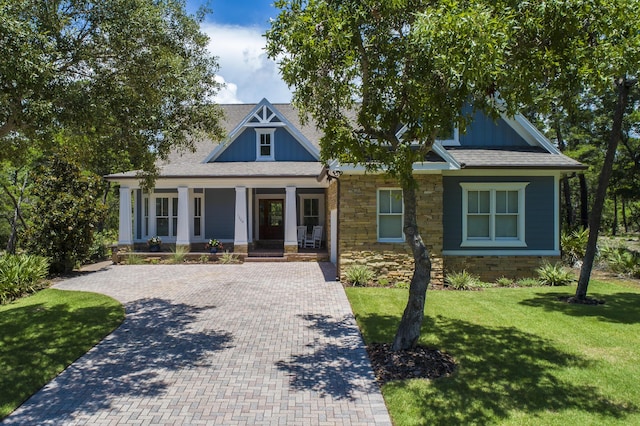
pixel 154 244
pixel 213 245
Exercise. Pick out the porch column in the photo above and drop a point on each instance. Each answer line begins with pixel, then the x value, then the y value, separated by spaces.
pixel 125 230
pixel 290 222
pixel 240 242
pixel 182 234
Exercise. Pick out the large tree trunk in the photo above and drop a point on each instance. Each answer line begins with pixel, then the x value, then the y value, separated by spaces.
pixel 409 328
pixel 623 86
pixel 624 216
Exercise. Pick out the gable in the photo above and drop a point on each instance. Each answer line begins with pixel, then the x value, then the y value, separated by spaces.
pixel 286 147
pixel 485 132
pixel 265 134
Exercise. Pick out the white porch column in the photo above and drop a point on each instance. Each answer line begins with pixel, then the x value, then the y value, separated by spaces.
pixel 240 241
pixel 182 234
pixel 125 230
pixel 290 222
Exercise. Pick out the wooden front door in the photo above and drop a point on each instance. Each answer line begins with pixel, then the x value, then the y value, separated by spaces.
pixel 271 220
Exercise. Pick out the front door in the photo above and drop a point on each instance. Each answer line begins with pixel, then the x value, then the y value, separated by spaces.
pixel 271 220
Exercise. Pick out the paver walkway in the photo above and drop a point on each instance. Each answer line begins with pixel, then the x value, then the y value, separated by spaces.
pixel 264 343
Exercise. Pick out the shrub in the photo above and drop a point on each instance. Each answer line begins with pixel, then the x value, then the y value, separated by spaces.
pixel 402 284
pixel 504 282
pixel 554 274
pixel 20 275
pixel 359 275
pixel 229 258
pixel 203 258
pixel 462 281
pixel 67 208
pixel 574 245
pixel 621 260
pixel 134 259
pixel 100 245
pixel 528 282
pixel 178 255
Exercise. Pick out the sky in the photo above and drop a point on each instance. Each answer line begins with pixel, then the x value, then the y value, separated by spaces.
pixel 236 29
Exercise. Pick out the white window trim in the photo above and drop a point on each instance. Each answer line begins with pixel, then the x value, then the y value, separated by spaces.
pixel 492 241
pixel 193 216
pixel 378 214
pixel 451 142
pixel 263 131
pixel 151 230
pixel 321 213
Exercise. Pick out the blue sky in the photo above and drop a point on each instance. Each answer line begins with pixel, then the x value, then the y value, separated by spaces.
pixel 236 30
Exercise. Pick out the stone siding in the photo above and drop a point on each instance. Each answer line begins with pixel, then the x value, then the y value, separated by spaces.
pixel 490 268
pixel 391 262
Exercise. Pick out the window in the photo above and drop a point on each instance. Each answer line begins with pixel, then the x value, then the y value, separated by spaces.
pixel 145 229
pixel 493 214
pixel 197 216
pixel 390 215
pixel 311 212
pixel 265 145
pixel 449 137
pixel 166 220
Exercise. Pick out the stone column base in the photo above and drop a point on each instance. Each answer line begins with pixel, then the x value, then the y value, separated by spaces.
pixel 241 248
pixel 291 248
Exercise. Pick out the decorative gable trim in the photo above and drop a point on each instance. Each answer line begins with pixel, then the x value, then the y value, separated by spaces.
pixel 529 132
pixel 264 114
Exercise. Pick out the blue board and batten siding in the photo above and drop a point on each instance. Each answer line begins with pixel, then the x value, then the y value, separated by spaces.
pixel 484 132
pixel 539 216
pixel 286 148
pixel 219 210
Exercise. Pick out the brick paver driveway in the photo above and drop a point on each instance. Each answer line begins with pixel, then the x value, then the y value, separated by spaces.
pixel 259 343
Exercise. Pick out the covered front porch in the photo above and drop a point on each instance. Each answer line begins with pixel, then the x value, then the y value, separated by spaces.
pixel 256 220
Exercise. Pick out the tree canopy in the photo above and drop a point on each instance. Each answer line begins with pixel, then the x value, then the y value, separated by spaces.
pixel 128 78
pixel 364 70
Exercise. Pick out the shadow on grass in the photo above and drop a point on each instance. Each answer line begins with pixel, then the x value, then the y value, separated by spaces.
pixel 622 308
pixel 336 364
pixel 501 370
pixel 156 335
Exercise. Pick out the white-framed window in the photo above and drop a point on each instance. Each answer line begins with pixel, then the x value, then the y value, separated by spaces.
pixel 390 211
pixel 311 210
pixel 145 213
pixel 265 144
pixel 166 216
pixel 449 137
pixel 493 214
pixel 197 216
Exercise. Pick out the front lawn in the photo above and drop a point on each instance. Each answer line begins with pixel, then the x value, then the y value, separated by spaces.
pixel 524 357
pixel 42 334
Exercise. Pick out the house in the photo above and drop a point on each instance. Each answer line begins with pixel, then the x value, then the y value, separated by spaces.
pixel 488 199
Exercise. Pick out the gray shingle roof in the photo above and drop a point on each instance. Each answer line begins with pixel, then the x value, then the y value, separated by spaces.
pixel 512 157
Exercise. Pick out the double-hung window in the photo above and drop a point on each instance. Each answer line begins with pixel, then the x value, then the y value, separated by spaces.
pixel 265 144
pixel 166 219
pixel 493 214
pixel 390 215
pixel 197 216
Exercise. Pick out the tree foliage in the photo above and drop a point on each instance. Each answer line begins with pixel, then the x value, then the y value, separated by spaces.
pixel 127 79
pixel 383 78
pixel 65 212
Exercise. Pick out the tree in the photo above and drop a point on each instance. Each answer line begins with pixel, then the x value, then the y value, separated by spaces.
pixel 132 78
pixel 393 69
pixel 363 70
pixel 65 212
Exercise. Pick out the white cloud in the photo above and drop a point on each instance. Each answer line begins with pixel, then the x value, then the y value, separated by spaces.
pixel 244 66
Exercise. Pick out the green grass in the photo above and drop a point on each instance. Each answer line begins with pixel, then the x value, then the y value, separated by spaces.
pixel 44 333
pixel 524 358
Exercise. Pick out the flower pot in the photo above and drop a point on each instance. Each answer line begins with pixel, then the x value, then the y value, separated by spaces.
pixel 213 250
pixel 154 248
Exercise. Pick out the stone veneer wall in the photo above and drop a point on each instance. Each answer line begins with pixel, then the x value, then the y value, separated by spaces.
pixel 359 235
pixel 490 268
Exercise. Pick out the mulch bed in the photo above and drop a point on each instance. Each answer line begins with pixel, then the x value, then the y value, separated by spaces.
pixel 417 363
